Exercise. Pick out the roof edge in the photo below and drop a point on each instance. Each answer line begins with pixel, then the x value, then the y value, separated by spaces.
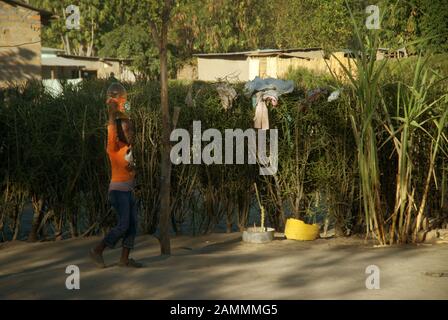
pixel 93 58
pixel 264 52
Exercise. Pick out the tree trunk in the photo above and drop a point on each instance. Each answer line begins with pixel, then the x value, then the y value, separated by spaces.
pixel 73 225
pixel 165 185
pixel 229 216
pixel 58 224
pixel 422 206
pixel 17 217
pixel 37 219
pixel 91 44
pixel 65 40
pixel 2 225
pixel 160 36
pixel 243 211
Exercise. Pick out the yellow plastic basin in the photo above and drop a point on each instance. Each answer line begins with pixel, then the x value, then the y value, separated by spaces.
pixel 298 230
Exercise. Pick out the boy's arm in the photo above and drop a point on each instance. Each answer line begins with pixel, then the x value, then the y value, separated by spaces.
pixel 112 126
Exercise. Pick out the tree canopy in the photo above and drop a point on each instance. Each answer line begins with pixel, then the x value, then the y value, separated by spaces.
pixel 120 28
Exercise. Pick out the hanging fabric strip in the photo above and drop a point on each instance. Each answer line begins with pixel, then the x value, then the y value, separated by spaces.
pixel 261 119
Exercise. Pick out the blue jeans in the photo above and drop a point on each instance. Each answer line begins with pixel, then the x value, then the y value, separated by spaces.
pixel 125 206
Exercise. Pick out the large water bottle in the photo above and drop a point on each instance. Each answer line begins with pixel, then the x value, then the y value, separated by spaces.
pixel 118 94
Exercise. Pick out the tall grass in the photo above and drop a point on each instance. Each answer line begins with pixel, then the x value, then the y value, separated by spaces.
pixel 338 161
pixel 410 115
pixel 366 87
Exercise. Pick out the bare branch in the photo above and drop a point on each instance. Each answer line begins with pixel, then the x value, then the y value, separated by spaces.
pixel 165 16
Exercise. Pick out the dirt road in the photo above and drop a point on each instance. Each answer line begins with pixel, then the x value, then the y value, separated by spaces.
pixel 220 266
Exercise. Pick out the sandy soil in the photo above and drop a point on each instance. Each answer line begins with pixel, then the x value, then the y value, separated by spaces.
pixel 220 266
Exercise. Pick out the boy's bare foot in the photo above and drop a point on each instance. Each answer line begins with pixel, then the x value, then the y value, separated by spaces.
pixel 131 263
pixel 97 258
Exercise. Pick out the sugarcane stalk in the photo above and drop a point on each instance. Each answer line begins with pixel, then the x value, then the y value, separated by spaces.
pixel 261 208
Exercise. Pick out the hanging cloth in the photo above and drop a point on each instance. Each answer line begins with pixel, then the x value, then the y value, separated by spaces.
pixel 261 119
pixel 227 95
pixel 266 90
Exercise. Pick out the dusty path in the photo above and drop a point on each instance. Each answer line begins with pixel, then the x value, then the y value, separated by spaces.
pixel 226 268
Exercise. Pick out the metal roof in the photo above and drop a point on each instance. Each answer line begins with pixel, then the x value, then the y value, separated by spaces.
pixel 69 56
pixel 47 49
pixel 262 52
pixel 60 62
pixel 241 53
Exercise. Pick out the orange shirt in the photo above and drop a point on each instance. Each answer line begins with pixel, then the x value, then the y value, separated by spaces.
pixel 117 151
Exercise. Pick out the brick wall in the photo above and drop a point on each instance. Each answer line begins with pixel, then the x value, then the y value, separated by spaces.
pixel 20 46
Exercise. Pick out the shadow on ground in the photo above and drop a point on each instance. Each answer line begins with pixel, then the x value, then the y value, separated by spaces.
pixel 220 266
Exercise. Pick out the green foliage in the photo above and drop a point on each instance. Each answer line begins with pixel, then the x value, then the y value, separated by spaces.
pixel 121 28
pixel 403 69
pixel 53 149
pixel 137 44
pixel 386 135
pixel 408 21
pixel 305 78
pixel 310 23
pixel 395 107
pixel 95 19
